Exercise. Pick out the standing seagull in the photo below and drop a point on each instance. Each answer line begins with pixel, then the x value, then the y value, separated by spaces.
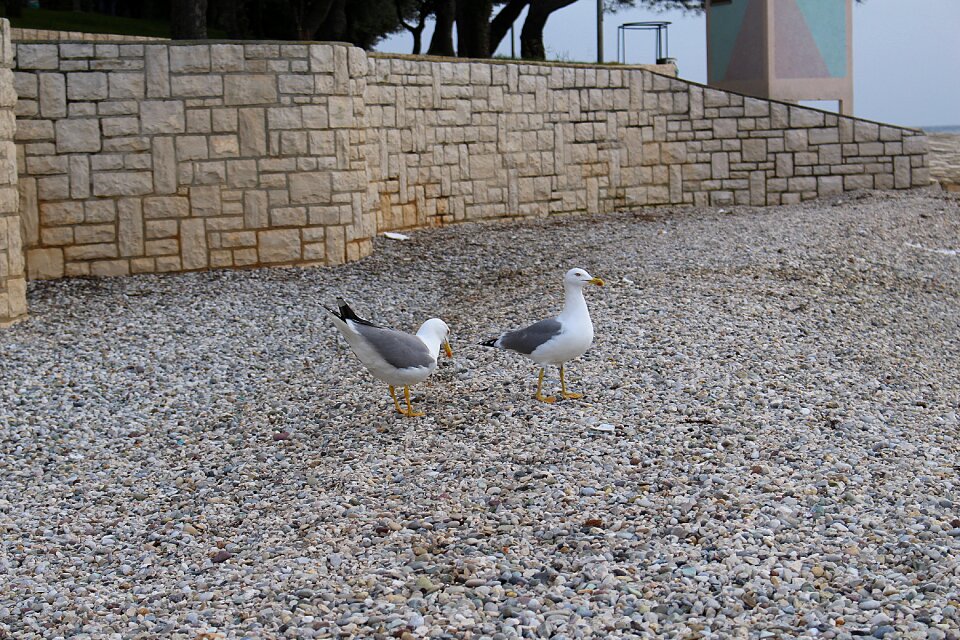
pixel 395 357
pixel 556 340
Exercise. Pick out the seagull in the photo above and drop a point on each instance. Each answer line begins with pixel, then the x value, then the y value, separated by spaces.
pixel 558 339
pixel 397 358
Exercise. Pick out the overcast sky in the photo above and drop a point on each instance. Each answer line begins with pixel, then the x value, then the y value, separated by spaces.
pixel 906 54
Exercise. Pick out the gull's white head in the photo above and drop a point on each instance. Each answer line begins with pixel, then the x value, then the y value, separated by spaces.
pixel 438 329
pixel 578 277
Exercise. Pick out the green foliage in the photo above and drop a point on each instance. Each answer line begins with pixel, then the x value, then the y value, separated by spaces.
pixel 90 23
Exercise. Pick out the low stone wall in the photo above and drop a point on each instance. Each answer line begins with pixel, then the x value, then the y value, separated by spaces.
pixel 13 285
pixel 27 35
pixel 140 157
pixel 455 140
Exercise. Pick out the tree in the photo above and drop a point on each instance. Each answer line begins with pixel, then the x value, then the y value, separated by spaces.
pixel 422 10
pixel 473 28
pixel 188 20
pixel 531 36
pixel 441 44
pixel 309 16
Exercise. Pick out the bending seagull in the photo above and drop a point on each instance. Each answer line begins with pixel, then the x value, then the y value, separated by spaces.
pixel 397 358
pixel 559 339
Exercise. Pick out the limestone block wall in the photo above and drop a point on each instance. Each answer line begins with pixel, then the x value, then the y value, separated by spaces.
pixel 140 157
pixel 459 140
pixel 13 285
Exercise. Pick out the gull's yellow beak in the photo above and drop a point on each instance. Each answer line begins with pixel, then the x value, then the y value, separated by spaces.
pixel 447 349
pixel 596 281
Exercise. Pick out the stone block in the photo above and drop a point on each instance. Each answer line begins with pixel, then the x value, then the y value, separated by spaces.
pixel 192 148
pixel 109 268
pixel 99 211
pixel 754 150
pixel 76 50
pixel 53 95
pixel 89 234
pixel 196 86
pixel 87 86
pixel 165 247
pixel 191 58
pixel 340 112
pixel 44 264
pixel 126 86
pixel 122 183
pixel 253 132
pixel 673 152
pixel 56 236
pixel 795 140
pixel 130 227
pixel 90 251
pixel 37 56
pixel 157 70
pixel 80 135
pixel 915 144
pixel 241 173
pixel 120 126
pixel 256 212
pixel 310 187
pixel 226 57
pixel 162 116
pixel 79 176
pixel 193 244
pixel 901 173
pixel 249 89
pixel 167 228
pixel 828 154
pixel 205 201
pixel 53 188
pixel 279 245
pixel 866 131
pixel 801 117
pixel 34 130
pixel 164 165
pixel 224 146
pixel 829 186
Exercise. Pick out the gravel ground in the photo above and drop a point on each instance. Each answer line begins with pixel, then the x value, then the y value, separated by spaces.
pixel 767 446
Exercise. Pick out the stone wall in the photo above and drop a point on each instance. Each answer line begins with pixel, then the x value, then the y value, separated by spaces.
pixel 452 141
pixel 13 285
pixel 143 157
pixel 139 158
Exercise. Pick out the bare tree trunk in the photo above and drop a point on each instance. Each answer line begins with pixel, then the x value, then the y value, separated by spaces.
pixel 189 20
pixel 441 44
pixel 334 26
pixel 500 25
pixel 416 30
pixel 473 28
pixel 531 37
pixel 309 16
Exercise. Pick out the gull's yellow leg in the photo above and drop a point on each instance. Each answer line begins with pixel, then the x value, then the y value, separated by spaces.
pixel 410 412
pixel 393 394
pixel 540 396
pixel 563 388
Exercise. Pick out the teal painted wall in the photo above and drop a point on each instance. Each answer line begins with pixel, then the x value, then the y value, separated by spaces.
pixel 725 23
pixel 827 21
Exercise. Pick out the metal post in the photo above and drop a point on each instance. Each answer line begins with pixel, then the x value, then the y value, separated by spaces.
pixel 513 42
pixel 599 31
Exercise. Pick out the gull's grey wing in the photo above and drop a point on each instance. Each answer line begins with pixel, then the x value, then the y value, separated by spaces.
pixel 400 350
pixel 527 340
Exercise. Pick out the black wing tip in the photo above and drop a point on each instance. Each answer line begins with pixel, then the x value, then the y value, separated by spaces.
pixel 492 342
pixel 346 313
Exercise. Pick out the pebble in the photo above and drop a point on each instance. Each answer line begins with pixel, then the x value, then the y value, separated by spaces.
pixel 783 460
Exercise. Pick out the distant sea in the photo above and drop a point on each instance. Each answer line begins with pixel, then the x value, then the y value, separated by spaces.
pixel 949 128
